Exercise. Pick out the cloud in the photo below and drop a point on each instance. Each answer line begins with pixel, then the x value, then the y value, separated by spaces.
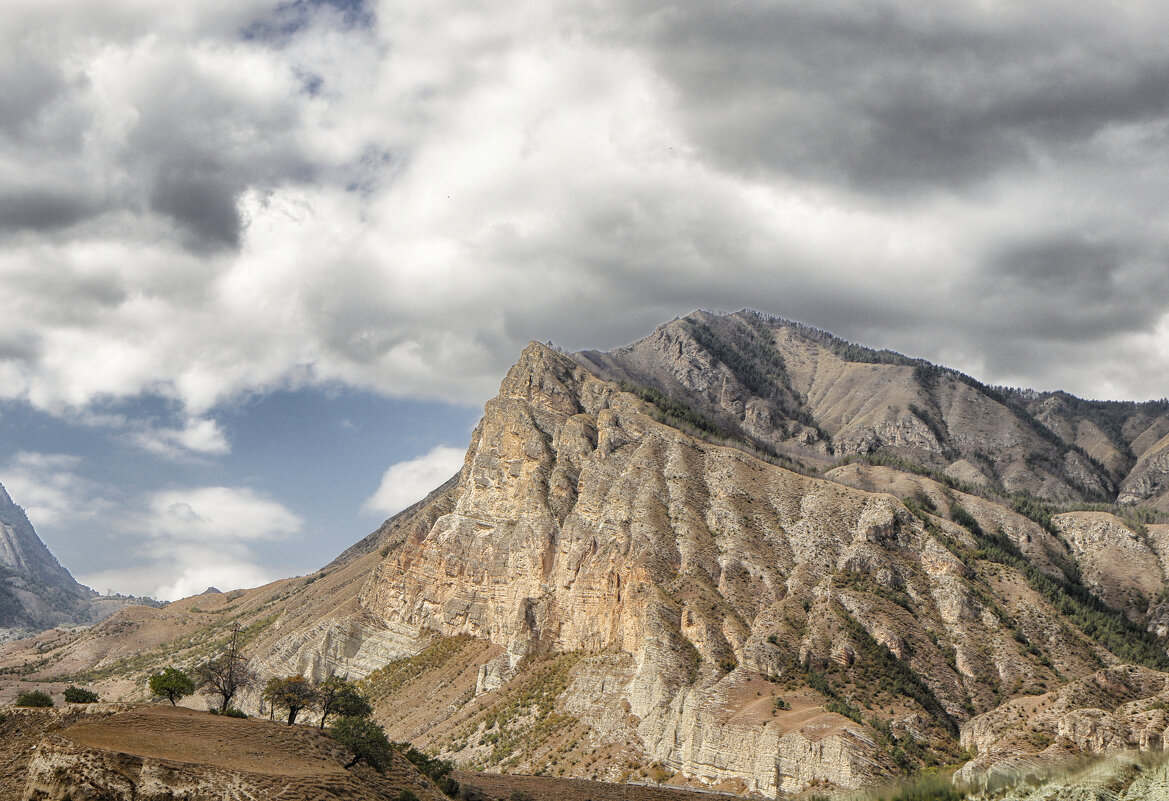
pixel 197 436
pixel 408 482
pixel 185 540
pixel 171 580
pixel 222 199
pixel 51 490
pixel 895 98
pixel 213 514
pixel 168 544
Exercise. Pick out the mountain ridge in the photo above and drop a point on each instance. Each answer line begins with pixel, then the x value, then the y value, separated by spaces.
pixel 793 390
pixel 36 591
pixel 607 589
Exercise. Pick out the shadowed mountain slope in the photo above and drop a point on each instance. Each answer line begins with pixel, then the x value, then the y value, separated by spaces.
pixel 802 392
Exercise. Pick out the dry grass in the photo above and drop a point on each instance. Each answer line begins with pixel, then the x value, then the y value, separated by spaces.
pixel 276 761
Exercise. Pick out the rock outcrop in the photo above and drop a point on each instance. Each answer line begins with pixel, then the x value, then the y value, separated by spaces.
pixel 1113 710
pixel 1148 482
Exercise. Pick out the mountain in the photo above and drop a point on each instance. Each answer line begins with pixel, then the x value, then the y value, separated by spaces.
pixel 35 591
pixel 801 392
pixel 739 554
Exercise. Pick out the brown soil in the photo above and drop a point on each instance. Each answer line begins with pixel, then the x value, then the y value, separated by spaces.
pixel 496 787
pixel 185 735
pixel 297 763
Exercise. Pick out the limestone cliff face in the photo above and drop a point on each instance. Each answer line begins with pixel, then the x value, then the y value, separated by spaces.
pixel 582 524
pixel 615 582
pixel 1148 483
pixel 1118 709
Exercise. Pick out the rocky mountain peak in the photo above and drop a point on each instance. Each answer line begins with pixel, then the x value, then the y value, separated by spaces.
pixel 798 392
pixel 35 590
pixel 23 551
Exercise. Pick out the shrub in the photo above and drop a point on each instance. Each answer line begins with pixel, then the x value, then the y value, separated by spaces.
pixel 34 698
pixel 230 712
pixel 79 695
pixel 437 770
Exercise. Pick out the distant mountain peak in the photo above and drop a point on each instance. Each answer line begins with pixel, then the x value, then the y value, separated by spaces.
pixel 36 592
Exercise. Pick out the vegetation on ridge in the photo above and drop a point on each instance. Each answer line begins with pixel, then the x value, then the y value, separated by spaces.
pixel 672 412
pixel 1112 629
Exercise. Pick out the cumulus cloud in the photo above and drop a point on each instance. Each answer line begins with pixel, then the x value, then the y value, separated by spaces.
pixel 408 482
pixel 197 436
pixel 50 489
pixel 188 539
pixel 169 582
pixel 212 514
pixel 206 201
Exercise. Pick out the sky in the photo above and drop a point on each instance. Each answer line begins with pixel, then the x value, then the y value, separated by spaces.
pixel 261 262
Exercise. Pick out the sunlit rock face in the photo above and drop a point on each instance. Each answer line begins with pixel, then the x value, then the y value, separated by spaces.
pixel 582 524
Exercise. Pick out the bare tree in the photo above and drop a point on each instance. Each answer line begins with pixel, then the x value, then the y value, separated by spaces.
pixel 226 674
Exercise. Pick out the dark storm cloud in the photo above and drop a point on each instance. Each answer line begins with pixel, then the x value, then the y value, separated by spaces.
pixel 41 209
pixel 205 206
pixel 1071 289
pixel 893 97
pixel 397 196
pixel 140 124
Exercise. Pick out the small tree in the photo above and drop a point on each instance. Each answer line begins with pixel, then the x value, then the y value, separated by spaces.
pixel 79 695
pixel 365 739
pixel 34 698
pixel 340 697
pixel 226 674
pixel 171 684
pixel 293 693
